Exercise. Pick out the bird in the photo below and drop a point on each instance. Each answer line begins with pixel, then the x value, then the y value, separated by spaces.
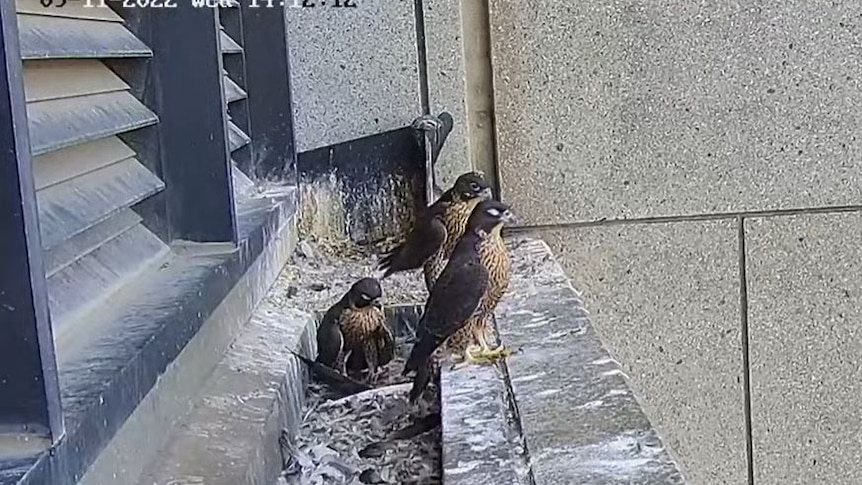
pixel 465 295
pixel 353 334
pixel 432 239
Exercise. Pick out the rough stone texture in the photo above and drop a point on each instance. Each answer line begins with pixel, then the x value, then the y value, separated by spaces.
pixel 805 306
pixel 580 420
pixel 231 435
pixel 354 71
pixel 665 300
pixel 482 443
pixel 624 109
pixel 446 83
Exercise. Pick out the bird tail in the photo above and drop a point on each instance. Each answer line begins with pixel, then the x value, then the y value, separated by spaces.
pixel 426 344
pixel 420 382
pixel 334 379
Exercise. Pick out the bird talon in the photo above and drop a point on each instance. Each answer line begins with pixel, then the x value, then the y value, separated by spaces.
pixel 484 356
pixel 501 352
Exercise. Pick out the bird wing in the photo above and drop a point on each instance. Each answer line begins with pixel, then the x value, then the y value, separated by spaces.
pixel 330 340
pixel 385 344
pixel 454 299
pixel 424 240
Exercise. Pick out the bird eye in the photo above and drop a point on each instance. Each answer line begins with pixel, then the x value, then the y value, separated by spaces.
pixel 474 186
pixel 365 297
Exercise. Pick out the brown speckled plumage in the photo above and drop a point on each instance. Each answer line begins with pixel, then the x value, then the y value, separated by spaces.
pixel 367 339
pixel 431 241
pixel 496 260
pixel 465 294
pixel 353 334
pixel 455 220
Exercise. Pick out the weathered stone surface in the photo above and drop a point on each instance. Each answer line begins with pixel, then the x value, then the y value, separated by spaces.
pixel 665 300
pixel 354 71
pixel 446 83
pixel 625 109
pixel 580 420
pixel 482 443
pixel 805 306
pixel 231 435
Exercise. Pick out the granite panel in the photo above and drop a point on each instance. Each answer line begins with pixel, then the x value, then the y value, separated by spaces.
pixel 805 305
pixel 665 300
pixel 636 109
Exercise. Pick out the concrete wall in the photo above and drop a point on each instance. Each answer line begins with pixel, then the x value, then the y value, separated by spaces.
pixel 356 72
pixel 696 166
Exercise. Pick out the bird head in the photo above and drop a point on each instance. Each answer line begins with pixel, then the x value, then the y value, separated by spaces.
pixel 490 215
pixel 366 292
pixel 472 185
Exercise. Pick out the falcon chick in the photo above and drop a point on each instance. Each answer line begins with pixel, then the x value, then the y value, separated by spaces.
pixel 353 334
pixel 435 235
pixel 466 293
pixel 495 258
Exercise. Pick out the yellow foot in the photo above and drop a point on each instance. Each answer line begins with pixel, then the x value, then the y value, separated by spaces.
pixel 458 361
pixel 483 356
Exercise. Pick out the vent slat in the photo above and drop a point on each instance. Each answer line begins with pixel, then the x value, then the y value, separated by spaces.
pixel 58 79
pixel 232 91
pixel 228 45
pixel 68 209
pixel 74 9
pixel 242 184
pixel 64 38
pixel 86 242
pixel 62 123
pixel 236 138
pixel 63 165
pixel 96 275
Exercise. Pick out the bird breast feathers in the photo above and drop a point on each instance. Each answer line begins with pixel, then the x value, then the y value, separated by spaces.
pixel 362 321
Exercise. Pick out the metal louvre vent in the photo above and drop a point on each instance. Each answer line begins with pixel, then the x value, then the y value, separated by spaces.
pixel 235 97
pixel 87 178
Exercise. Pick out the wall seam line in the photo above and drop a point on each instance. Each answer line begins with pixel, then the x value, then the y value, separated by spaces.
pixel 746 354
pixel 687 218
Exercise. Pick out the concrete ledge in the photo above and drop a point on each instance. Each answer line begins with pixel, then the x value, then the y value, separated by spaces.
pixel 482 441
pixel 568 400
pixel 125 375
pixel 256 391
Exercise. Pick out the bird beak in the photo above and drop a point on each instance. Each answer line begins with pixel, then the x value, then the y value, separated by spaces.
pixel 509 217
pixel 487 193
pixel 378 302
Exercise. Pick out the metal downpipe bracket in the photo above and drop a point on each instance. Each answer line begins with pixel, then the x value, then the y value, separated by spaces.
pixel 431 132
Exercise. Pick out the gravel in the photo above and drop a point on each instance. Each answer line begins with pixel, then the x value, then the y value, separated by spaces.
pixel 376 436
pixel 320 274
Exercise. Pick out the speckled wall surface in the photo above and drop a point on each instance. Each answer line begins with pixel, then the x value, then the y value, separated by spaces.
pixel 616 114
pixel 645 109
pixel 355 72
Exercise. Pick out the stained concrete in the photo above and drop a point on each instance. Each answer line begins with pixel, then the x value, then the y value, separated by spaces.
pixel 630 109
pixel 256 391
pixel 354 71
pixel 665 300
pixel 580 420
pixel 170 399
pixel 446 83
pixel 805 306
pixel 482 443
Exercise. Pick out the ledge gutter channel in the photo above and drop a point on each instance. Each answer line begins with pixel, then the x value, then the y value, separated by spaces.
pixel 559 410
